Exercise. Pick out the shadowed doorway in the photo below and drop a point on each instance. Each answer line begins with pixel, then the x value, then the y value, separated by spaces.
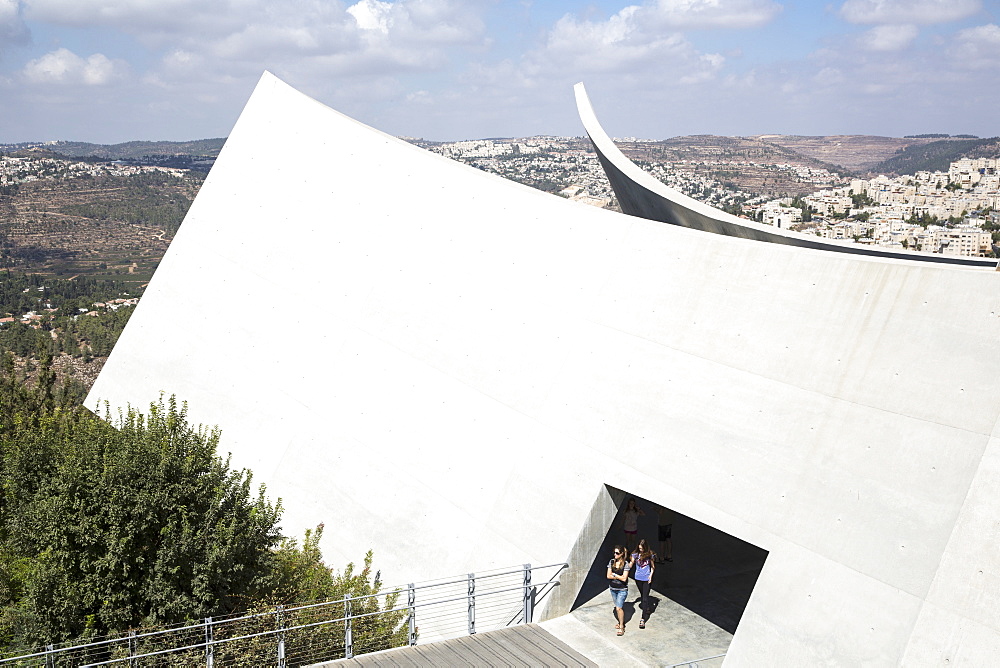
pixel 698 598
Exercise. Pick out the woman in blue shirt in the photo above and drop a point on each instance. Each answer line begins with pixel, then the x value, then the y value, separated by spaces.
pixel 645 563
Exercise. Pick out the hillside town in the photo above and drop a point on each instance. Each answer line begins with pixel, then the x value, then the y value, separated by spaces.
pixel 953 212
pixel 24 169
pixel 568 166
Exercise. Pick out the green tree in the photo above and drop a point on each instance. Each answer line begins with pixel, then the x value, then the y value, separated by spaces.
pixel 135 521
pixel 301 575
pixel 128 522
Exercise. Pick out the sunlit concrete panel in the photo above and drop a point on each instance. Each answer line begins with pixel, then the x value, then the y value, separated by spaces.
pixel 452 369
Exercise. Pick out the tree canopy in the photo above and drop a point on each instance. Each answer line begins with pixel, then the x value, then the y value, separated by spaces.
pixel 134 520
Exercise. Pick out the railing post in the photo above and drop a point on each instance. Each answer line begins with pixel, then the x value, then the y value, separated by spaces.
pixel 280 614
pixel 132 648
pixel 348 641
pixel 411 600
pixel 209 647
pixel 472 604
pixel 529 595
pixel 50 659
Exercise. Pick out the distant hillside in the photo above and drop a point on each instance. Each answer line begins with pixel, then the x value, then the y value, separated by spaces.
pixel 750 149
pixel 937 155
pixel 103 227
pixel 203 148
pixel 198 155
pixel 856 153
pixel 751 161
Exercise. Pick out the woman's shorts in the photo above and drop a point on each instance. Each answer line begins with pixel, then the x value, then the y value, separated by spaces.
pixel 664 531
pixel 619 596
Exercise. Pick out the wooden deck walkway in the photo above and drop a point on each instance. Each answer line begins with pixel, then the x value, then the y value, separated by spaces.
pixel 524 645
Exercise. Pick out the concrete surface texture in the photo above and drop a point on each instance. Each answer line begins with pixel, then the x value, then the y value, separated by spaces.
pixel 639 194
pixel 463 373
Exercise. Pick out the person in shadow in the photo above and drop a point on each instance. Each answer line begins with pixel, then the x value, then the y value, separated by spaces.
pixel 630 523
pixel 664 531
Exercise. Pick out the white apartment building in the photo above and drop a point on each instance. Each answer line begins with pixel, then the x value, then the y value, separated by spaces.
pixel 773 213
pixel 969 171
pixel 964 240
pixel 826 203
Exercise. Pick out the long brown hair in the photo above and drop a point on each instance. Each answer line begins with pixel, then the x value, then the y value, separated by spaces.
pixel 619 561
pixel 643 550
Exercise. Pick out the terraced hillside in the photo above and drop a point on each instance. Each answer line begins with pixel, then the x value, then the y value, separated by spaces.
pixel 103 226
pixel 748 164
pixel 866 154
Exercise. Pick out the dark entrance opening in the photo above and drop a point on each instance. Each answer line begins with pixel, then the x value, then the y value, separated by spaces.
pixel 709 580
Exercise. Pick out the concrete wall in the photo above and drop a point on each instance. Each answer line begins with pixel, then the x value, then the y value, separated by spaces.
pixel 449 368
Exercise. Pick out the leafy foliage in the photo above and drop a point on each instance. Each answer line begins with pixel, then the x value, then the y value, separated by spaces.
pixel 134 521
pixel 121 527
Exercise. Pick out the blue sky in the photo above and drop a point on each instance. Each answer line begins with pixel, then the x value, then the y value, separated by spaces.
pixel 118 70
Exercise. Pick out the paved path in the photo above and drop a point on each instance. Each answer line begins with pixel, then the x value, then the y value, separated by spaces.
pixel 673 634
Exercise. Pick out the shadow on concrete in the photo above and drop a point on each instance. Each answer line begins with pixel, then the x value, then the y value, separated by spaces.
pixel 712 574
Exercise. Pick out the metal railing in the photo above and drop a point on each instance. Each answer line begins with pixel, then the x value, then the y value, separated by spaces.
pixel 322 631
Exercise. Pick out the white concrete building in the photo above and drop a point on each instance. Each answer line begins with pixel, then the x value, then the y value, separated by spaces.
pixel 494 369
pixel 773 213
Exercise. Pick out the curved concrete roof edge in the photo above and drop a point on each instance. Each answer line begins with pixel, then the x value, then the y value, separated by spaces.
pixel 640 194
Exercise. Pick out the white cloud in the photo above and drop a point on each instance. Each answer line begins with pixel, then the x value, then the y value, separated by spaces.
pixel 12 28
pixel 710 64
pixel 275 40
pixel 372 15
pixel 623 43
pixel 425 22
pixel 422 97
pixel 829 77
pixel 682 14
pixel 607 45
pixel 977 48
pixel 64 67
pixel 888 37
pixel 639 40
pixel 131 15
pixel 404 34
pixel 308 39
pixel 922 12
